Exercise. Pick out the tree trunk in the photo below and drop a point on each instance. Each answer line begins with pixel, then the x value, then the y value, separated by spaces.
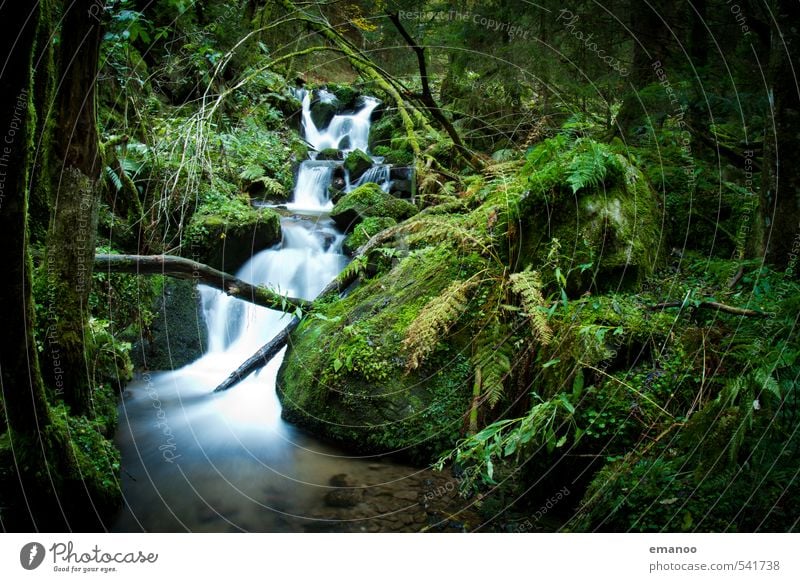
pixel 780 191
pixel 651 44
pixel 45 462
pixel 20 379
pixel 71 237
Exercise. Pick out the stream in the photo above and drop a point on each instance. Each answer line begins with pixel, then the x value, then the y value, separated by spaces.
pixel 197 461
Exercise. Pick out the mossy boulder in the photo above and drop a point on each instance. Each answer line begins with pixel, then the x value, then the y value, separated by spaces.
pixel 609 236
pixel 344 376
pixel 366 201
pixel 394 157
pixel 178 333
pixel 225 238
pixel 368 228
pixel 323 109
pixel 356 163
pixel 330 154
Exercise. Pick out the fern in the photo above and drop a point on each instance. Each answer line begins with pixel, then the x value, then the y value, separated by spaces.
pixel 272 186
pixel 113 178
pixel 252 173
pixel 434 322
pixel 492 356
pixel 355 268
pixel 528 286
pixel 590 165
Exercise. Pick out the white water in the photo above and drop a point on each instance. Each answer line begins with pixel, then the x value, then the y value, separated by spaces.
pixel 353 126
pixel 379 174
pixel 311 190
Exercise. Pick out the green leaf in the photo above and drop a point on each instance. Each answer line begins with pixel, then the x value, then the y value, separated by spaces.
pixel 567 404
pixel 551 363
pixel 561 441
pixel 577 384
pixel 337 365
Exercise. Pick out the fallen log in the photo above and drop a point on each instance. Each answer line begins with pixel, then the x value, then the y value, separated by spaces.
pixel 712 305
pixel 182 268
pixel 260 358
pixel 270 349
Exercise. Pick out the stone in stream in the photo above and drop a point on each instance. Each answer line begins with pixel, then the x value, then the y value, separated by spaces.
pixel 356 163
pixel 347 494
pixel 369 200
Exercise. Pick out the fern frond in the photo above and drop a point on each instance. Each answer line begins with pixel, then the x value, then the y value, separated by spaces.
pixel 354 268
pixel 434 322
pixel 272 186
pixel 492 355
pixel 438 228
pixel 590 165
pixel 252 173
pixel 113 178
pixel 528 286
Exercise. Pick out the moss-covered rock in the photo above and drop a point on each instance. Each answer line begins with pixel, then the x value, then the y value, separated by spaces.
pixel 330 154
pixel 356 163
pixel 344 375
pixel 226 237
pixel 322 110
pixel 609 237
pixel 369 200
pixel 178 332
pixel 394 157
pixel 368 228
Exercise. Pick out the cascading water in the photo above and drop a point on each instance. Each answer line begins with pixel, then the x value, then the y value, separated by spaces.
pixel 198 461
pixel 354 127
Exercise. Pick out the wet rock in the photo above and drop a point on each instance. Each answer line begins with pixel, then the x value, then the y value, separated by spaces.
pixel 356 163
pixel 369 201
pixel 323 107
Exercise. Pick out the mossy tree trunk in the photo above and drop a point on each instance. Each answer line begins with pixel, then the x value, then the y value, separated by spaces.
pixel 73 224
pixel 43 453
pixel 780 191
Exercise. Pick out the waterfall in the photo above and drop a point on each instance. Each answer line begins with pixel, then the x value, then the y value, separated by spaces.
pixel 379 174
pixel 187 446
pixel 311 189
pixel 355 127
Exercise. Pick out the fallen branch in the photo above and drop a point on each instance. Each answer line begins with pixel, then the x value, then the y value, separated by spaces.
pixel 270 349
pixel 712 305
pixel 261 358
pixel 182 268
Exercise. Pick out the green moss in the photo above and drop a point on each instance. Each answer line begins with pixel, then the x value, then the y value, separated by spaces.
pixel 356 163
pixel 344 377
pixel 368 228
pixel 614 229
pixel 394 157
pixel 225 232
pixel 369 201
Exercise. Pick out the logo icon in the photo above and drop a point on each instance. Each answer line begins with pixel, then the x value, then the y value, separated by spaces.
pixel 31 555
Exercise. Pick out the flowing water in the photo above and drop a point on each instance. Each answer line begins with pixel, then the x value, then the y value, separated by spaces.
pixel 197 461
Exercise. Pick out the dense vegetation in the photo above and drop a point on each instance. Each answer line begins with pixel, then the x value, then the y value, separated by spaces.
pixel 591 283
